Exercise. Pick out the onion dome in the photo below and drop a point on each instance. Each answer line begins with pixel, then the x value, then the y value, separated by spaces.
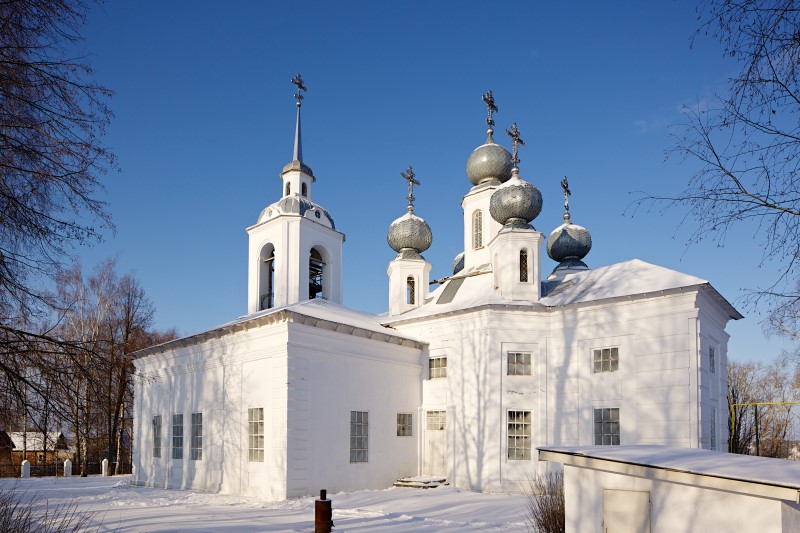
pixel 489 163
pixel 458 263
pixel 516 203
pixel 299 206
pixel 569 243
pixel 409 236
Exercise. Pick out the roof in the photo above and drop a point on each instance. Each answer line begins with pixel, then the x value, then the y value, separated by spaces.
pixel 629 278
pixel 316 312
pixel 665 462
pixel 34 440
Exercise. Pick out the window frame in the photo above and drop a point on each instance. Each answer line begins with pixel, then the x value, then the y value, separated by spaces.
pixel 516 367
pixel 196 442
pixel 177 436
pixel 610 426
pixel 519 435
pixel 156 436
pixel 477 229
pixel 523 265
pixel 255 435
pixel 602 364
pixel 436 420
pixel 437 367
pixel 405 424
pixel 712 360
pixel 359 437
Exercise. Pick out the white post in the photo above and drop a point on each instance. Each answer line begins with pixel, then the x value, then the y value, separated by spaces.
pixel 104 471
pixel 26 468
pixel 67 468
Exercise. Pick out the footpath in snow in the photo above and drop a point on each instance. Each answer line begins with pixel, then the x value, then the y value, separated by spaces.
pixel 126 509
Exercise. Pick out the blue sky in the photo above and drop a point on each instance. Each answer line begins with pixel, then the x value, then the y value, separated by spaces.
pixel 205 122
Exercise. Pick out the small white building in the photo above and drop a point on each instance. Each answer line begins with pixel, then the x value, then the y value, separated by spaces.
pixel 662 489
pixel 464 381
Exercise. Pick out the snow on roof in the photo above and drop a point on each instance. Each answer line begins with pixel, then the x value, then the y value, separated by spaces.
pixel 317 308
pixel 629 278
pixel 34 440
pixel 765 470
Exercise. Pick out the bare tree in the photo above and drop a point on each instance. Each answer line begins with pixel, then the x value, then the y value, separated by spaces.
pixel 748 141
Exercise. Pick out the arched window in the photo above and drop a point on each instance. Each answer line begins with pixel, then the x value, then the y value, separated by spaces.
pixel 523 265
pixel 288 189
pixel 266 287
pixel 315 271
pixel 477 230
pixel 410 290
pixel 304 189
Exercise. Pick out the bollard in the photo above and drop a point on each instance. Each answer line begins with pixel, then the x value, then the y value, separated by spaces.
pixel 323 514
pixel 67 468
pixel 26 468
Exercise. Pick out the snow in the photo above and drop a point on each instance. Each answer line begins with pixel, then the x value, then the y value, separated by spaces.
pixel 127 509
pixel 765 470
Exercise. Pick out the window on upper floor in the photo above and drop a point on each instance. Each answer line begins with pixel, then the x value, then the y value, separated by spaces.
pixel 519 363
pixel 606 426
pixel 606 360
pixel 304 189
pixel 712 360
pixel 523 266
pixel 410 290
pixel 519 435
pixel 477 229
pixel 437 367
pixel 288 189
pixel 404 424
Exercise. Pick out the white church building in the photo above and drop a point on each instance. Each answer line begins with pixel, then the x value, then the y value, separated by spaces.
pixel 462 382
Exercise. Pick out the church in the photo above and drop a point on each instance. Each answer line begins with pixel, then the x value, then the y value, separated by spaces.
pixel 462 378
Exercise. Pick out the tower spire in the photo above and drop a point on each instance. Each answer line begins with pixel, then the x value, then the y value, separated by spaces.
pixel 298 145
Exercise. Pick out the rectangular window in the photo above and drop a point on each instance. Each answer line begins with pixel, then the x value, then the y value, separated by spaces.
pixel 606 426
pixel 157 436
pixel 519 363
pixel 606 360
pixel 435 420
pixel 197 437
pixel 359 436
pixel 437 367
pixel 712 360
pixel 177 436
pixel 713 432
pixel 519 435
pixel 255 435
pixel 404 424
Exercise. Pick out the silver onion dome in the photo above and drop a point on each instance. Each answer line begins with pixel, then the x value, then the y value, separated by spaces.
pixel 489 163
pixel 409 236
pixel 569 242
pixel 516 203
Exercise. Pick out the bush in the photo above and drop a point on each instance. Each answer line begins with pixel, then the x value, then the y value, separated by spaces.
pixel 546 503
pixel 20 514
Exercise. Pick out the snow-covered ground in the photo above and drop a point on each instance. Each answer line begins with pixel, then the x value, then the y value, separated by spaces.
pixel 124 508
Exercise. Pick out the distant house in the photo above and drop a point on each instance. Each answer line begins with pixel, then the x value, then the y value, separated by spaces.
pixel 37 449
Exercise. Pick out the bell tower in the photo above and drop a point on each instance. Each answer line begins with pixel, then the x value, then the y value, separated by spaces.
pixel 295 252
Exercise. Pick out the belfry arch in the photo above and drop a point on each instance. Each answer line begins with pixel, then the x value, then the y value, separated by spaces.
pixel 266 277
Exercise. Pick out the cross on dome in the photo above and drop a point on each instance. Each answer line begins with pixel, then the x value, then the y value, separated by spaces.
pixel 491 107
pixel 567 194
pixel 409 176
pixel 516 141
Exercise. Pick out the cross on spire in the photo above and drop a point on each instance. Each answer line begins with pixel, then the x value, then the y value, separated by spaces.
pixel 567 194
pixel 409 176
pixel 516 142
pixel 298 82
pixel 491 107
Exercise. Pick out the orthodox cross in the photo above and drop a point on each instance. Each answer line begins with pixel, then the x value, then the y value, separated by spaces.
pixel 567 193
pixel 409 176
pixel 298 82
pixel 516 143
pixel 489 99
